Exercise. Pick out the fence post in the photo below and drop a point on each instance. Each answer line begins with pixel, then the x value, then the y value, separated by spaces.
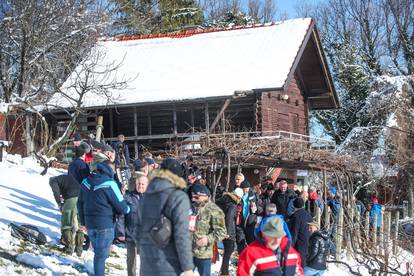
pixel 397 226
pixel 339 234
pixel 381 231
pixel 318 216
pixel 367 225
pixel 358 229
pixel 374 231
pixel 349 231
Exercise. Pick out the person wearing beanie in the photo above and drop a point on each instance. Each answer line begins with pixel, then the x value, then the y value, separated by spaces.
pixel 229 203
pixel 299 228
pixel 210 228
pixel 318 250
pixel 249 212
pixel 270 253
pixel 165 198
pixel 78 168
pixel 271 211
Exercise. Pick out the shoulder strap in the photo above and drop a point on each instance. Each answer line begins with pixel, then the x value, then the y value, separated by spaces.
pixel 285 257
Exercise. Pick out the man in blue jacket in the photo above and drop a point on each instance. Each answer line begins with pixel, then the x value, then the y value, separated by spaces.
pixel 78 168
pixel 99 201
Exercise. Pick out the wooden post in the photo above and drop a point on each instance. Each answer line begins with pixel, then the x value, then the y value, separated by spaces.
pixel 381 231
pixel 29 138
pixel 111 123
pixel 326 201
pixel 192 119
pixel 206 118
pixel 374 230
pixel 349 233
pixel 99 128
pixel 396 236
pixel 175 120
pixel 136 132
pixel 219 114
pixel 339 233
pixel 387 232
pixel 367 225
pixel 318 216
pixel 357 230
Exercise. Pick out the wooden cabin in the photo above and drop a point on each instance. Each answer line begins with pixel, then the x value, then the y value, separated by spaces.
pixel 263 78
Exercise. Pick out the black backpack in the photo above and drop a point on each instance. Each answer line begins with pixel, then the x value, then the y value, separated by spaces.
pixel 28 233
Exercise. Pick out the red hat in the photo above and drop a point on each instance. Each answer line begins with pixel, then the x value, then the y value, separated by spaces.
pixel 375 200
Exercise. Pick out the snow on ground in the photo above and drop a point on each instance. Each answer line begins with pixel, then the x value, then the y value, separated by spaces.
pixel 26 198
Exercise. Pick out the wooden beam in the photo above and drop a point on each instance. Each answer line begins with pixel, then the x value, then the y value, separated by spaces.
pixel 192 118
pixel 175 119
pixel 111 122
pixel 149 120
pixel 220 114
pixel 206 117
pixel 136 132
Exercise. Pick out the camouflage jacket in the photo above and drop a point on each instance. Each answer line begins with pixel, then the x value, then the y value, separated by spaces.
pixel 210 223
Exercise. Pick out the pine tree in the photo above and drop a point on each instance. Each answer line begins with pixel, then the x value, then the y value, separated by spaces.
pixel 175 15
pixel 134 17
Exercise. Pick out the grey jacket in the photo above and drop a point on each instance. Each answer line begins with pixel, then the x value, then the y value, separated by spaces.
pixel 177 256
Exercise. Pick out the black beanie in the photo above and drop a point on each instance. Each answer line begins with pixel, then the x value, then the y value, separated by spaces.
pixel 77 137
pixel 79 151
pixel 173 166
pixel 298 203
pixel 245 184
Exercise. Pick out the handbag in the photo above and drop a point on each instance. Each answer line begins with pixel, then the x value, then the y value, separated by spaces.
pixel 161 231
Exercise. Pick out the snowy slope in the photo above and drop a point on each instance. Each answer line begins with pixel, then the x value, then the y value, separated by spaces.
pixel 196 66
pixel 25 197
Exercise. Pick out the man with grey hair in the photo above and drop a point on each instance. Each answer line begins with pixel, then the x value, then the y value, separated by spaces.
pixel 281 198
pixel 238 179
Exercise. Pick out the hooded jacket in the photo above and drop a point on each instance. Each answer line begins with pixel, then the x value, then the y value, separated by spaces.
pixel 210 223
pixel 259 260
pixel 78 169
pixel 375 209
pixel 318 250
pixel 177 256
pixel 300 233
pixel 100 199
pixel 228 203
pixel 263 221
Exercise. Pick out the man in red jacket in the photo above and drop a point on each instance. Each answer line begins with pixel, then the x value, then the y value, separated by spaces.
pixel 270 254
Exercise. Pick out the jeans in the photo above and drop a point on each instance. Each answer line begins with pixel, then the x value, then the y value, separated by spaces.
pixel 203 266
pixel 101 240
pixel 131 258
pixel 313 272
pixel 228 250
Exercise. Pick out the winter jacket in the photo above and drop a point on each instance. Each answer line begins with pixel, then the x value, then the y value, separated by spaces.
pixel 210 223
pixel 98 158
pixel 291 209
pixel 375 209
pixel 228 203
pixel 131 219
pixel 318 250
pixel 300 233
pixel 116 145
pixel 312 203
pixel 285 226
pixel 65 186
pixel 335 206
pixel 78 169
pixel 282 200
pixel 177 256
pixel 249 209
pixel 259 260
pixel 100 199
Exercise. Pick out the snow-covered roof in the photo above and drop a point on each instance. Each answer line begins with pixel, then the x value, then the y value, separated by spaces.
pixel 202 65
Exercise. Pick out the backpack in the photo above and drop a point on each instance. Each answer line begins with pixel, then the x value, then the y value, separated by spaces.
pixel 28 233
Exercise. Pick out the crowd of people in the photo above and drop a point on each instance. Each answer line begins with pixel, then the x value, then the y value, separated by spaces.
pixel 168 218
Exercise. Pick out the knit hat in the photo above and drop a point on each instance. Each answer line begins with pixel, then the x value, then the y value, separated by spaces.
pixel 245 184
pixel 375 200
pixel 298 203
pixel 106 147
pixel 173 166
pixel 273 227
pixel 150 161
pixel 201 190
pixel 332 189
pixel 238 192
pixel 77 137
